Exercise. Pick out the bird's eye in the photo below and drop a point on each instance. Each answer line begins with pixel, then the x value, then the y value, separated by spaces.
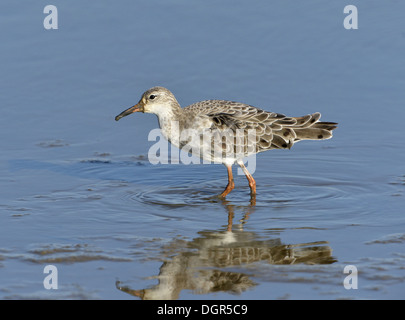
pixel 152 96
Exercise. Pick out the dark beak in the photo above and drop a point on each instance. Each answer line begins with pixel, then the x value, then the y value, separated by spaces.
pixel 136 108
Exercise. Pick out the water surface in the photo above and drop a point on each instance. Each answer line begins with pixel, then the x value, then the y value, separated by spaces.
pixel 78 191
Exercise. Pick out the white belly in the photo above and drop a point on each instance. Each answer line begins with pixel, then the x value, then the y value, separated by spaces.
pixel 200 140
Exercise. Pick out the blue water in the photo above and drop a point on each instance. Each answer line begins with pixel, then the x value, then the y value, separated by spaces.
pixel 78 191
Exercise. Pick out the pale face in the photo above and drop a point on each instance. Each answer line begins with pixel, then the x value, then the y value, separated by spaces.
pixel 157 100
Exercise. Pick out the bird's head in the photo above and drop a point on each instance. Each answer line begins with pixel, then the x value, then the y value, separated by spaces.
pixel 157 100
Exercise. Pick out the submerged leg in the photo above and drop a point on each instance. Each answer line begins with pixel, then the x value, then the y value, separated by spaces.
pixel 231 184
pixel 252 182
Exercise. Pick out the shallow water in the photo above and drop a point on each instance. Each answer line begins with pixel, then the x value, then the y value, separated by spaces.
pixel 78 191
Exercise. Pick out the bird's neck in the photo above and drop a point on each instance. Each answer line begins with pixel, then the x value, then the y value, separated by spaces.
pixel 169 121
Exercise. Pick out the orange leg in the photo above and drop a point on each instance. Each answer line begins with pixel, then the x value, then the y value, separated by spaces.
pixel 252 182
pixel 231 184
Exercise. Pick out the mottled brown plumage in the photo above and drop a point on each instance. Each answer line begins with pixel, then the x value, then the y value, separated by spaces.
pixel 273 130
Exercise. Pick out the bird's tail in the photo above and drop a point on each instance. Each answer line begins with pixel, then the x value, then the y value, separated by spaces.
pixel 310 128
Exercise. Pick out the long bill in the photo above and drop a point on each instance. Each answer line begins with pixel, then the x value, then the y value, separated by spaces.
pixel 136 108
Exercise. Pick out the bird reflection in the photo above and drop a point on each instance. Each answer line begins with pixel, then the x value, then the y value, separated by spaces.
pixel 200 264
pixel 247 211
